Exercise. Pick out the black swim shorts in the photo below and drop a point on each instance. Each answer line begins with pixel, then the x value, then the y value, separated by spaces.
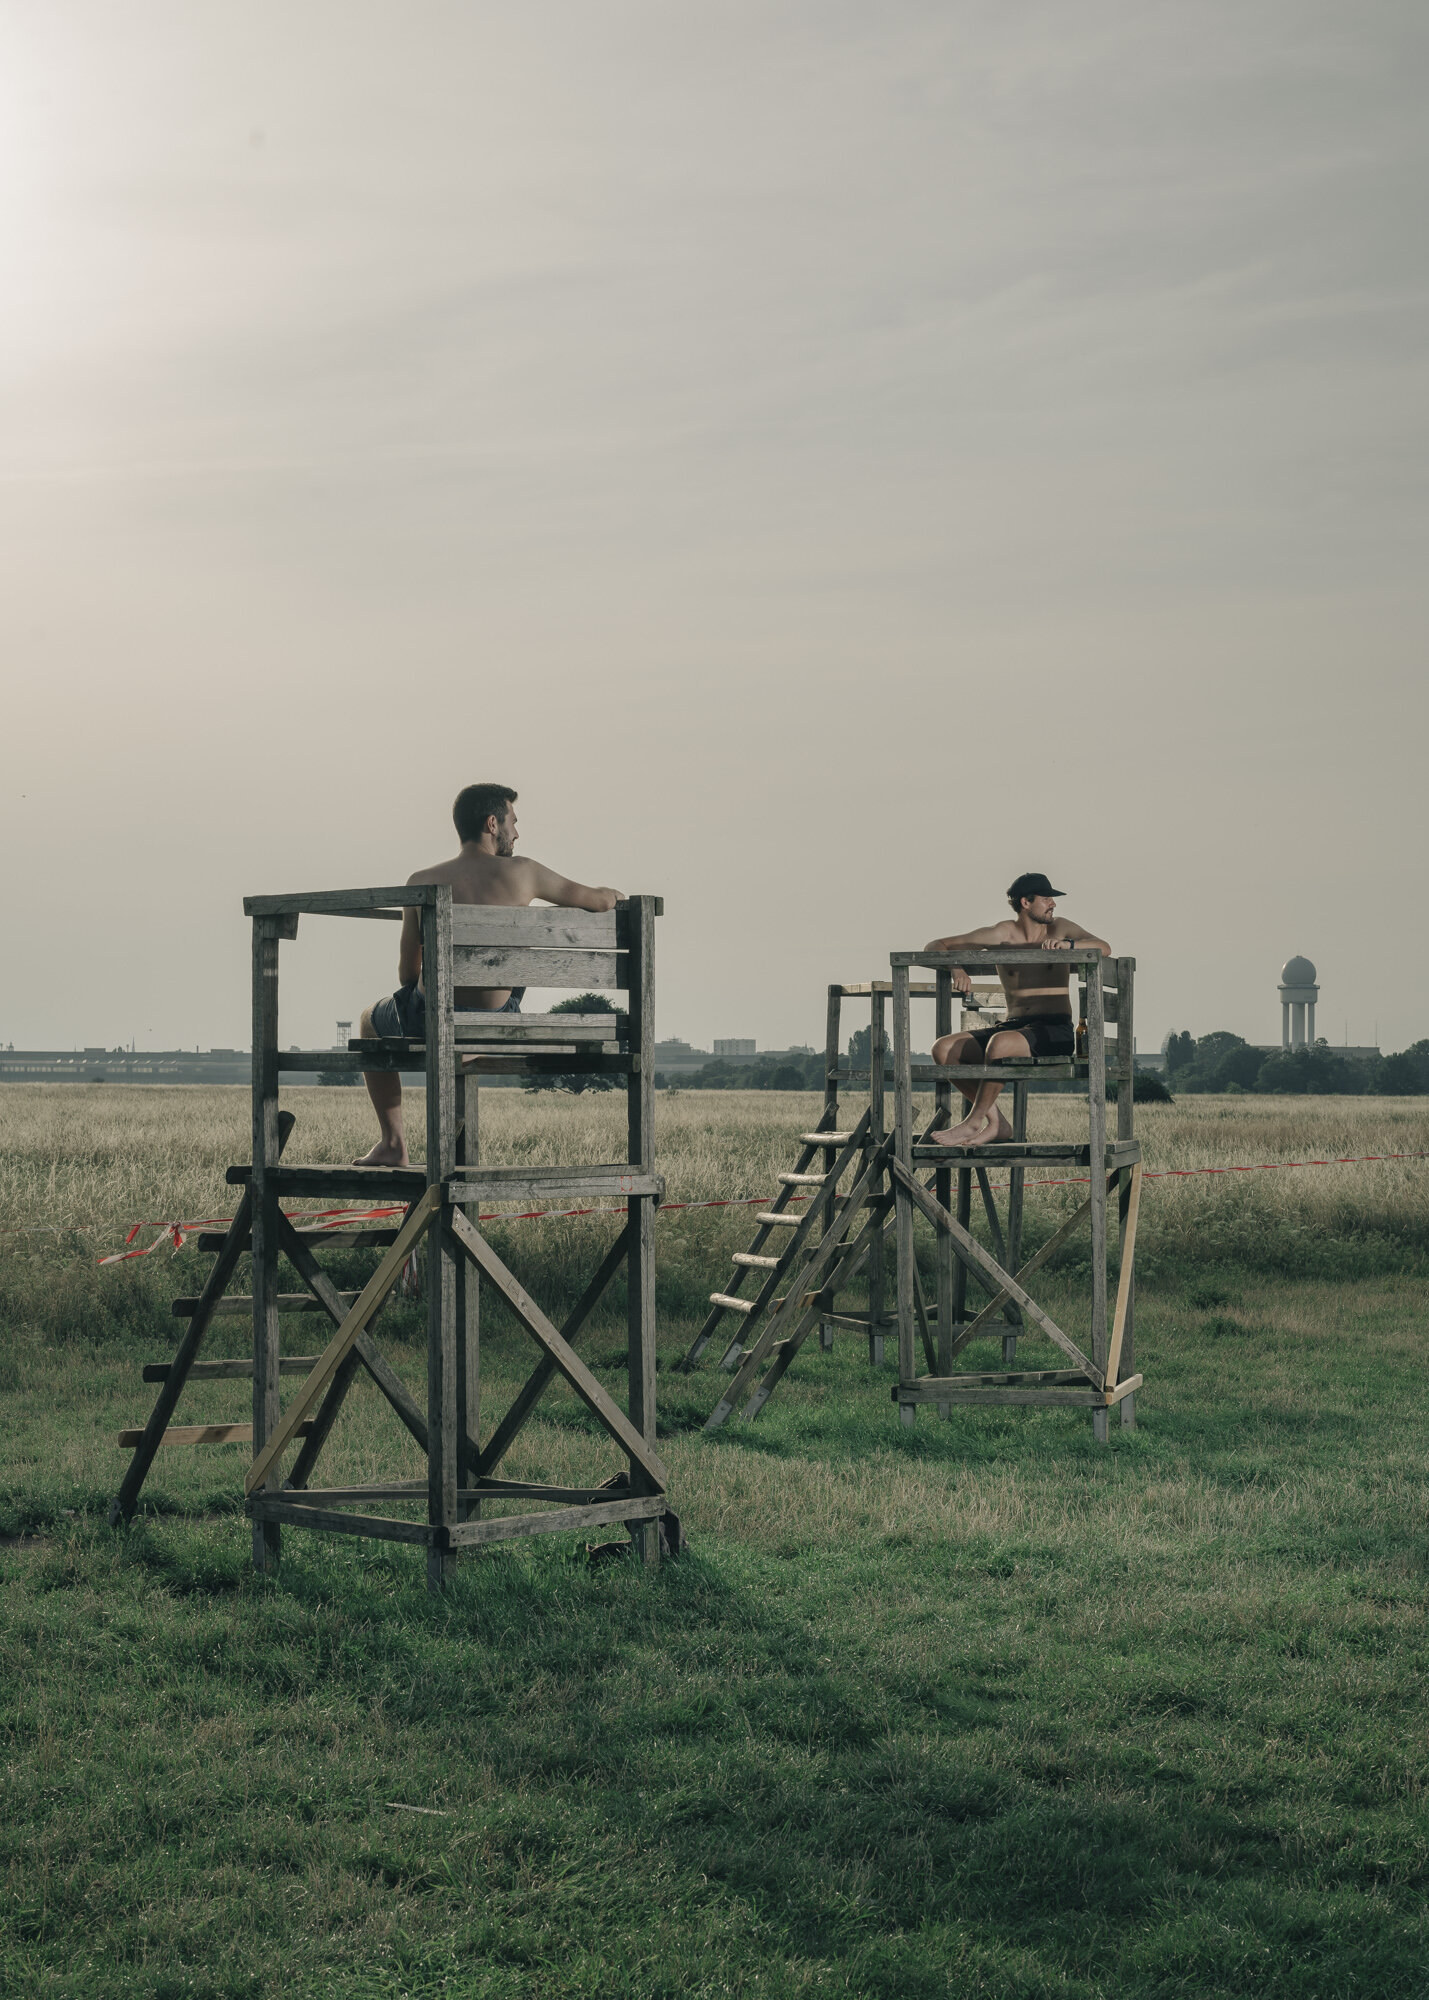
pixel 1046 1034
pixel 405 1011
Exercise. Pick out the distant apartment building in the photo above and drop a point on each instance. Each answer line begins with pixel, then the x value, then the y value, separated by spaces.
pixel 733 1047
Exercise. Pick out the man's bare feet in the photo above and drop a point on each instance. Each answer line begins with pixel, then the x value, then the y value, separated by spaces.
pixel 987 1130
pixel 384 1155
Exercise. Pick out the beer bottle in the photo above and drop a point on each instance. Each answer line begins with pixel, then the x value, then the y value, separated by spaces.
pixel 1081 1041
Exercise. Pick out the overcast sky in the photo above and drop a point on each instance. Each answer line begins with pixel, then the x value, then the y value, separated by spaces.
pixel 827 457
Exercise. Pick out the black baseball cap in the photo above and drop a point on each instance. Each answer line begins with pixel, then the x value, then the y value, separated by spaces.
pixel 1031 884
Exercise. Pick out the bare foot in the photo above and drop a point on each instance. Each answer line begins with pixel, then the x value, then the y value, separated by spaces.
pixel 972 1132
pixel 384 1154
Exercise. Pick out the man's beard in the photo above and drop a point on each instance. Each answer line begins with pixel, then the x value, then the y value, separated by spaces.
pixel 505 847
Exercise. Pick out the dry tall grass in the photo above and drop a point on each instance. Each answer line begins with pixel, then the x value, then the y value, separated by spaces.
pixel 94 1159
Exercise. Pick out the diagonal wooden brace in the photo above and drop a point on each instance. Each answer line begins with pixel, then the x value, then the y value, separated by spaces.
pixel 560 1353
pixel 976 1258
pixel 533 1388
pixel 323 1290
pixel 1123 1287
pixel 368 1300
pixel 1054 1243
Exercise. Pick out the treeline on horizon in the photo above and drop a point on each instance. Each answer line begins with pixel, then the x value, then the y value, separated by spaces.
pixel 1228 1063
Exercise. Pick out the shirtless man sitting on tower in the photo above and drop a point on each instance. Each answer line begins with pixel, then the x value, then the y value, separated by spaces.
pixel 1039 1005
pixel 486 870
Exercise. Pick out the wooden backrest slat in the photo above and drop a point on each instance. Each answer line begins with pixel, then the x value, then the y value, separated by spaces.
pixel 508 965
pixel 538 929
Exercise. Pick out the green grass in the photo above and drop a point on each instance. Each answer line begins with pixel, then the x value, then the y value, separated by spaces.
pixel 975 1709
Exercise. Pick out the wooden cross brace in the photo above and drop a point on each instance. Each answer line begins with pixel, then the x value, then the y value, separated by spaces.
pixel 350 1346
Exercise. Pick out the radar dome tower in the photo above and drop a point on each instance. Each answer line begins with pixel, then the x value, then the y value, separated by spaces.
pixel 1297 992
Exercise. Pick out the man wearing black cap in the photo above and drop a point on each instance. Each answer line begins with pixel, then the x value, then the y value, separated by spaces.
pixel 1039 1004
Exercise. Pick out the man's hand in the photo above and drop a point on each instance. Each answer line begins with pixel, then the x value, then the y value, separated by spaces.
pixel 1057 944
pixel 962 980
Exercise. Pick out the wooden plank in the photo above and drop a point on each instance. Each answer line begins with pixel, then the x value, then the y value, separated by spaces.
pixel 557 1028
pixel 209 1241
pixel 501 965
pixel 374 1527
pixel 263 1216
pixel 342 902
pixel 903 1152
pixel 346 1496
pixel 1115 1153
pixel 1032 1378
pixel 443 1469
pixel 990 959
pixel 1124 1389
pixel 238 1306
pixel 567 1362
pixel 637 932
pixel 1003 1281
pixel 529 1395
pixel 1077 1399
pixel 532 926
pixel 510 1527
pixel 1125 1131
pixel 227 1371
pixel 553 1184
pixel 369 1299
pixel 374 1184
pixel 1096 1118
pixel 1123 1290
pixel 128 1440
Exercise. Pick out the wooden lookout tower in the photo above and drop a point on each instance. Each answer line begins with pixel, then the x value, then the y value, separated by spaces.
pixel 858 1183
pixel 465 1501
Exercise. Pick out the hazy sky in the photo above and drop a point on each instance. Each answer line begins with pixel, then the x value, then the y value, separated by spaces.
pixel 827 457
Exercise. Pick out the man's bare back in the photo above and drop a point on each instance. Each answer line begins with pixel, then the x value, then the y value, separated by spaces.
pixel 485 870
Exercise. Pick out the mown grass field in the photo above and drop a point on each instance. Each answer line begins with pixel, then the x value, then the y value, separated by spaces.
pixel 978 1708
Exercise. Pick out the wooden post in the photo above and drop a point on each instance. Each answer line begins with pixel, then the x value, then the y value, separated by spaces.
pixel 948 1268
pixel 903 1205
pixel 1096 1120
pixel 443 1470
pixel 468 1299
pixel 877 1131
pixel 1126 1129
pixel 1017 1175
pixel 832 1016
pixel 267 1352
pixel 639 925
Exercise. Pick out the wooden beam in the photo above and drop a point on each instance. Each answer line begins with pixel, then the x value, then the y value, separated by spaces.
pixel 509 1527
pixel 129 1440
pixel 1124 1281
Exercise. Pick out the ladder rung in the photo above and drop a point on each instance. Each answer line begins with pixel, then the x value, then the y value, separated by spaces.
pixel 730 1303
pixel 772 1221
pixel 775 1351
pixel 753 1263
pixel 824 1138
pixel 803 1180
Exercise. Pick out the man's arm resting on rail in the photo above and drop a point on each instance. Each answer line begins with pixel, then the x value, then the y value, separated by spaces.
pixel 553 888
pixel 1069 934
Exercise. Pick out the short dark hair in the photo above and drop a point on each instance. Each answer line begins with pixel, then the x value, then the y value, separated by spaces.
pixel 475 806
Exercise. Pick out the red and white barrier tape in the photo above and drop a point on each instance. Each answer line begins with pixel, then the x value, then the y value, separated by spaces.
pixel 346 1218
